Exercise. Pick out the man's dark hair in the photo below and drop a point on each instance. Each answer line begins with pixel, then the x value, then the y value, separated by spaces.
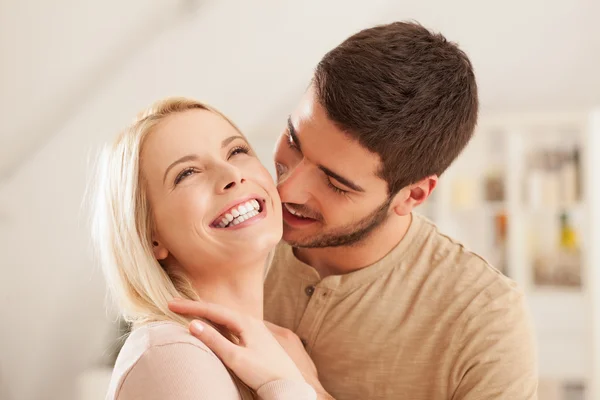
pixel 404 93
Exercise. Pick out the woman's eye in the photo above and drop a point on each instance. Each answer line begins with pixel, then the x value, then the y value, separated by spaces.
pixel 239 150
pixel 184 174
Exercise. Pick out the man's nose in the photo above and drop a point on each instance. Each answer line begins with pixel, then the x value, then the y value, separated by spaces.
pixel 294 184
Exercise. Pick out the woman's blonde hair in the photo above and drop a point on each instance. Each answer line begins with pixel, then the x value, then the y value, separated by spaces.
pixel 122 223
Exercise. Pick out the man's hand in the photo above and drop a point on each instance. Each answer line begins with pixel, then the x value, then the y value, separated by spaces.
pixel 293 346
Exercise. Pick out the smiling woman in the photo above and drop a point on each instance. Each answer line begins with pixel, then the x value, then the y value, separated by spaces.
pixel 184 209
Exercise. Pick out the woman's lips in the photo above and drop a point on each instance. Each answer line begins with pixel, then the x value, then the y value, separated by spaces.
pixel 241 214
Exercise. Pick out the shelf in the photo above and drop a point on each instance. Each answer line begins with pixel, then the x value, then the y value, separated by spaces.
pixel 554 209
pixel 564 292
pixel 491 207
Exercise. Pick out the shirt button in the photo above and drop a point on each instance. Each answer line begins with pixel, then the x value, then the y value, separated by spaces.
pixel 309 290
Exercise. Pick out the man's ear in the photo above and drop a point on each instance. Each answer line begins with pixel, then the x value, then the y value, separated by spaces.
pixel 412 195
pixel 160 251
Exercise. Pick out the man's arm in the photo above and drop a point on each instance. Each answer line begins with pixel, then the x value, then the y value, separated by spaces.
pixel 496 352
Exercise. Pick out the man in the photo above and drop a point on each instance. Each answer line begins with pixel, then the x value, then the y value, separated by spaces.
pixel 385 304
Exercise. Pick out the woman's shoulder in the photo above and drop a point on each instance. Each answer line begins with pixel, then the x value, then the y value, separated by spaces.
pixel 163 333
pixel 152 335
pixel 151 347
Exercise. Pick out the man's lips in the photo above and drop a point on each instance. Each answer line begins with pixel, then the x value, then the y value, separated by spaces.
pixel 292 210
pixel 295 219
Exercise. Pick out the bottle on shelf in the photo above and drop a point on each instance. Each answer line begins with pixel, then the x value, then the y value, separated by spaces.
pixel 560 266
pixel 500 263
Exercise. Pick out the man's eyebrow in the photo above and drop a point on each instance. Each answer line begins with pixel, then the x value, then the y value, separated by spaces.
pixel 293 134
pixel 341 179
pixel 327 171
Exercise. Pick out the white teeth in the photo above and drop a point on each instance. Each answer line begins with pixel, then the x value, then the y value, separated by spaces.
pixel 242 213
pixel 293 212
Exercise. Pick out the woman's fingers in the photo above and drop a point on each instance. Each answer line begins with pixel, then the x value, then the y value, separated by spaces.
pixel 257 360
pixel 228 352
pixel 214 312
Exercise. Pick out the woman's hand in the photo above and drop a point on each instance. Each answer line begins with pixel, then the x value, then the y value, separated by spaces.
pixel 257 360
pixel 295 349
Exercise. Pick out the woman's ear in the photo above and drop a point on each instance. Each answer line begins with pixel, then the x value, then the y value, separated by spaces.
pixel 160 252
pixel 413 195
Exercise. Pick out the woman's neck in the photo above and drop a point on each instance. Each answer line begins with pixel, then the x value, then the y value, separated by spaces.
pixel 241 290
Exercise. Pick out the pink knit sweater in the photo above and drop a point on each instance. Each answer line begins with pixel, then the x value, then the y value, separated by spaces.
pixel 162 361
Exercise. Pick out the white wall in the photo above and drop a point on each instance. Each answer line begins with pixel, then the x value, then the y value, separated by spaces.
pixel 54 322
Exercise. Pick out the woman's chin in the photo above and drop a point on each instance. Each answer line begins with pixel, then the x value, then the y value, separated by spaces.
pixel 261 244
pixel 256 234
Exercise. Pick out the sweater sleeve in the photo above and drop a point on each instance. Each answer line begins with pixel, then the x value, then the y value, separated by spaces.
pixel 178 371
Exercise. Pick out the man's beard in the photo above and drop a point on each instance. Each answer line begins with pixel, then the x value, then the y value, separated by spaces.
pixel 347 235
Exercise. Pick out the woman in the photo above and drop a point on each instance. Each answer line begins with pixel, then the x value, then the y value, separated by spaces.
pixel 184 209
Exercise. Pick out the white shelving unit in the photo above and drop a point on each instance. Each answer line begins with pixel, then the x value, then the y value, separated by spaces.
pixel 516 225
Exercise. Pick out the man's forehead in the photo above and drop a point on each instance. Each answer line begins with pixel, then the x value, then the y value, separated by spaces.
pixel 324 144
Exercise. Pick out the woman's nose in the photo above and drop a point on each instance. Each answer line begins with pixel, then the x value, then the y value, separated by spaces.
pixel 230 178
pixel 232 184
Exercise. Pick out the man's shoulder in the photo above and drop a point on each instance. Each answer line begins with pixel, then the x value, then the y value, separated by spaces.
pixel 463 272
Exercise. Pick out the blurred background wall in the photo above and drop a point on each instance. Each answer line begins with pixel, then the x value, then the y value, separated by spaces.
pixel 73 73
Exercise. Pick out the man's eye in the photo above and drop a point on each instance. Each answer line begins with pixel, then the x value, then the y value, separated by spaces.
pixel 335 188
pixel 290 142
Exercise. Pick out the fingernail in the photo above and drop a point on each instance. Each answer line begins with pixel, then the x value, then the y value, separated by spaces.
pixel 197 327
